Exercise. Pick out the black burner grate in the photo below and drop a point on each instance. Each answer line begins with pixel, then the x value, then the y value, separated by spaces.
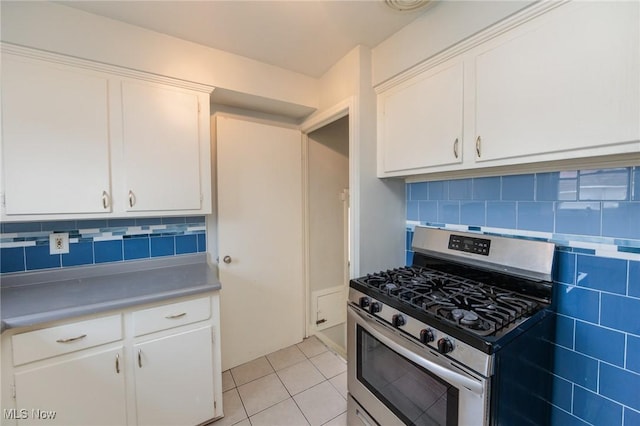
pixel 478 307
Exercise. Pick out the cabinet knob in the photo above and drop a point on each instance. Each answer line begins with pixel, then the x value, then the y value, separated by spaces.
pixel 478 143
pixel 140 358
pixel 455 148
pixel 132 198
pixel 226 259
pixel 117 363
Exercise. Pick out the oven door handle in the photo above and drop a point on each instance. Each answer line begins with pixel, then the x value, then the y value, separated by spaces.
pixel 392 341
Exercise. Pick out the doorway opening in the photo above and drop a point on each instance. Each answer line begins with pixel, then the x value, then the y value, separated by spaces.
pixel 328 230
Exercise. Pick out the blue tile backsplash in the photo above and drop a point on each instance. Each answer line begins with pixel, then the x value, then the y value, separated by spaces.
pixel 593 217
pixel 24 246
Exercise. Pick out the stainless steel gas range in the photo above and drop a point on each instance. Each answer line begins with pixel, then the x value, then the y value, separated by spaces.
pixel 461 337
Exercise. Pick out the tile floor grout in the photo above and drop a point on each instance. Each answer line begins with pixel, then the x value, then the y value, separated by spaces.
pixel 287 388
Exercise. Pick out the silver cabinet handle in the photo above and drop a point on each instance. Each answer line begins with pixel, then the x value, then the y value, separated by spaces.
pixel 132 198
pixel 118 363
pixel 105 200
pixel 455 148
pixel 226 259
pixel 478 142
pixel 71 339
pixel 140 358
pixel 176 316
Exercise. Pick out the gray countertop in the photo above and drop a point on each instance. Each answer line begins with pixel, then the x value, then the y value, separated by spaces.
pixel 39 297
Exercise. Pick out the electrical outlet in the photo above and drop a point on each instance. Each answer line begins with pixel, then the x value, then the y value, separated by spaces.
pixel 59 243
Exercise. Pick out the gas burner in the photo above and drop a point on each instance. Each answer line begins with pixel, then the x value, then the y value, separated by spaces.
pixel 470 321
pixel 389 287
pixel 465 317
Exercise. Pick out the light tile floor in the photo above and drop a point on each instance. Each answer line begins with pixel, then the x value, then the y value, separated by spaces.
pixel 302 385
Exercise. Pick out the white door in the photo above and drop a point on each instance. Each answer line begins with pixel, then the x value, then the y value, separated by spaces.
pixel 260 236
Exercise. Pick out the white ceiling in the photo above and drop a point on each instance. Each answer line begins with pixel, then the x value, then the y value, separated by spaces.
pixel 306 36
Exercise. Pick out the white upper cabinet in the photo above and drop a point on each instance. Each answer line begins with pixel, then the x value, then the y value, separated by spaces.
pixel 420 121
pixel 555 83
pixel 161 147
pixel 55 128
pixel 85 140
pixel 567 82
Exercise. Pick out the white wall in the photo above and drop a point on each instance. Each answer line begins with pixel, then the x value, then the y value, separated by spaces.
pixel 57 28
pixel 341 81
pixel 443 25
pixel 381 202
pixel 377 206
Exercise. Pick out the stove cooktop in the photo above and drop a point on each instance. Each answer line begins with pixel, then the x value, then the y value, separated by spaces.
pixel 481 289
pixel 475 307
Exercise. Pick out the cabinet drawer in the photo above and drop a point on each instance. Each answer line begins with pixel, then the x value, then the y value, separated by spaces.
pixel 47 342
pixel 167 316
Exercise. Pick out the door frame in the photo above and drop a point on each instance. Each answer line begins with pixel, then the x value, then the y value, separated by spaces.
pixel 340 110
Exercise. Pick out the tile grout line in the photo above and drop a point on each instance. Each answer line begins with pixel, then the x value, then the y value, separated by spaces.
pixel 291 397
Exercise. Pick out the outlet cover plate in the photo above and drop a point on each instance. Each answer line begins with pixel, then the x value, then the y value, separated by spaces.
pixel 59 243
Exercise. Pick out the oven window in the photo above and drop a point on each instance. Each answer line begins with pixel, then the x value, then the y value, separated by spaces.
pixel 414 394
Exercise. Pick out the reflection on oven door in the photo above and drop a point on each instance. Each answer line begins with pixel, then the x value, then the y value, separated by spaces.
pixel 414 394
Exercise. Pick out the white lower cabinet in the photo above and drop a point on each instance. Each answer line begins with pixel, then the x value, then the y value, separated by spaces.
pixel 174 379
pixel 106 371
pixel 86 389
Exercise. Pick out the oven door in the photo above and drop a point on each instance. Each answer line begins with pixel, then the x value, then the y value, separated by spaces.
pixel 398 381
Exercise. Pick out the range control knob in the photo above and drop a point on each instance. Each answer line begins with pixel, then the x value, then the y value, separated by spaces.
pixel 375 307
pixel 445 346
pixel 426 335
pixel 398 320
pixel 364 302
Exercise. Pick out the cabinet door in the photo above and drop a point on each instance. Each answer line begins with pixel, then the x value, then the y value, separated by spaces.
pixel 88 389
pixel 421 122
pixel 174 379
pixel 565 82
pixel 55 138
pixel 161 148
